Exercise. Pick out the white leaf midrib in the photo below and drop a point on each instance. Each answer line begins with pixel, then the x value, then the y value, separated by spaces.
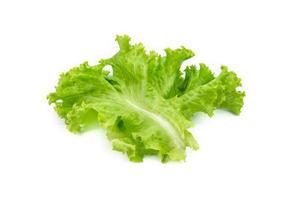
pixel 164 123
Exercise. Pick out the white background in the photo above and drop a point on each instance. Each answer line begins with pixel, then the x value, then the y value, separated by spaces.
pixel 252 156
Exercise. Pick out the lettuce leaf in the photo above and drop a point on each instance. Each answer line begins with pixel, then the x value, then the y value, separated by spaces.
pixel 146 103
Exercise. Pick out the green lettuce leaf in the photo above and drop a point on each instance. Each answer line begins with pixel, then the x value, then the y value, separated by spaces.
pixel 146 103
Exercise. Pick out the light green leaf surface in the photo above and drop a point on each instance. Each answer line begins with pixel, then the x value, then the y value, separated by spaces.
pixel 146 104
